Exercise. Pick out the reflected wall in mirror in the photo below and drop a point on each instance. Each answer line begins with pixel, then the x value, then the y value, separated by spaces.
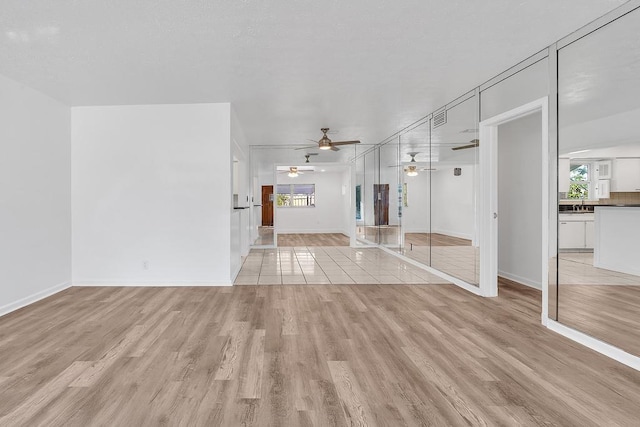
pixel 415 171
pixel 454 160
pixel 367 177
pixel 599 184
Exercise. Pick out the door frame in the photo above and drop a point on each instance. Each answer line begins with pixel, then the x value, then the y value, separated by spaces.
pixel 488 207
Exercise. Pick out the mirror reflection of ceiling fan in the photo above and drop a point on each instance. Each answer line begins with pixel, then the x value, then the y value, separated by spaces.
pixel 306 156
pixel 294 171
pixel 326 144
pixel 474 143
pixel 412 167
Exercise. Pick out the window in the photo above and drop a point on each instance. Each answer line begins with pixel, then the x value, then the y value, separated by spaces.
pixel 579 181
pixel 296 195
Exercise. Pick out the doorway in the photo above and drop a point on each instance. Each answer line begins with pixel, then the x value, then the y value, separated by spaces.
pixel 489 213
pixel 267 205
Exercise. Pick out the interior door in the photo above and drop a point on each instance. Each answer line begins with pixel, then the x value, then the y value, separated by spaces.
pixel 267 205
pixel 381 204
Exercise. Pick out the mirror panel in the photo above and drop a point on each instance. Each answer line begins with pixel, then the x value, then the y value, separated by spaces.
pixel 454 159
pixel 599 184
pixel 415 169
pixel 389 191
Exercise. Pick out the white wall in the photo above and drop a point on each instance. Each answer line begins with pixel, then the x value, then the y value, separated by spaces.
pixel 452 201
pixel 348 205
pixel 519 200
pixel 328 214
pixel 35 200
pixel 240 233
pixel 525 86
pixel 151 183
pixel 416 216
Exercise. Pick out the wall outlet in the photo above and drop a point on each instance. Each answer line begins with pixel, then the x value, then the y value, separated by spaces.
pixel 145 265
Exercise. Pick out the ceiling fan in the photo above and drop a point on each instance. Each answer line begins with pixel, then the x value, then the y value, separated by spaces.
pixel 294 171
pixel 474 143
pixel 412 168
pixel 326 144
pixel 306 156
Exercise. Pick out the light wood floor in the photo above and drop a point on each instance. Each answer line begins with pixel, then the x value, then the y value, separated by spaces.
pixel 300 356
pixel 434 239
pixel 610 313
pixel 313 239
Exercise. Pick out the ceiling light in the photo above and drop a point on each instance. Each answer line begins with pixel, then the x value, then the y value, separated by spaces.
pixel 412 170
pixel 293 172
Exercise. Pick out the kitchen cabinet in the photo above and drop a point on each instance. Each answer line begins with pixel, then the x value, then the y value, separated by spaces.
pixel 617 231
pixel 564 166
pixel 603 189
pixel 603 169
pixel 626 175
pixel 589 232
pixel 576 231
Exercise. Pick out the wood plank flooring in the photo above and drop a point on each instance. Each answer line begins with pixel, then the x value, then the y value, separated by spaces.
pixel 336 355
pixel 610 313
pixel 434 239
pixel 312 239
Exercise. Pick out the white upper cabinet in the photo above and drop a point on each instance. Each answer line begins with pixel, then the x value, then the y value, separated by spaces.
pixel 603 168
pixel 626 175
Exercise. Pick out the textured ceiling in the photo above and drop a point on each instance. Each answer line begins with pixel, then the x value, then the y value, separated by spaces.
pixel 365 67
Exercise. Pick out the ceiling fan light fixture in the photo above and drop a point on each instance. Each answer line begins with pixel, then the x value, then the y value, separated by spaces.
pixel 324 143
pixel 292 174
pixel 412 171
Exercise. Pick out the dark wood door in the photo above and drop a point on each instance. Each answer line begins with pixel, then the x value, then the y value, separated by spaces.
pixel 267 205
pixel 381 204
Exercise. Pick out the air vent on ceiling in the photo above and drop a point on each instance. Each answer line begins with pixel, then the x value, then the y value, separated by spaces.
pixel 439 118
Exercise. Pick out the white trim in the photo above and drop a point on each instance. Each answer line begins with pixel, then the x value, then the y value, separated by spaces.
pixel 489 198
pixel 521 280
pixel 460 283
pixel 149 283
pixel 595 344
pixel 532 60
pixel 23 302
pixel 597 23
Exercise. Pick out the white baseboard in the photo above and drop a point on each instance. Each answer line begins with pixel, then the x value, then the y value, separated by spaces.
pixel 522 280
pixel 595 344
pixel 22 302
pixel 149 283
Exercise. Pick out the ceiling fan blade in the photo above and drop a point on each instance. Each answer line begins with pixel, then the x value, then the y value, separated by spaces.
pixel 334 148
pixel 344 142
pixel 307 147
pixel 464 147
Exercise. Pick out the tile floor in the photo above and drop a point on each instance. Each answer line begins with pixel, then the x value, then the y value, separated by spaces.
pixel 462 262
pixel 329 265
